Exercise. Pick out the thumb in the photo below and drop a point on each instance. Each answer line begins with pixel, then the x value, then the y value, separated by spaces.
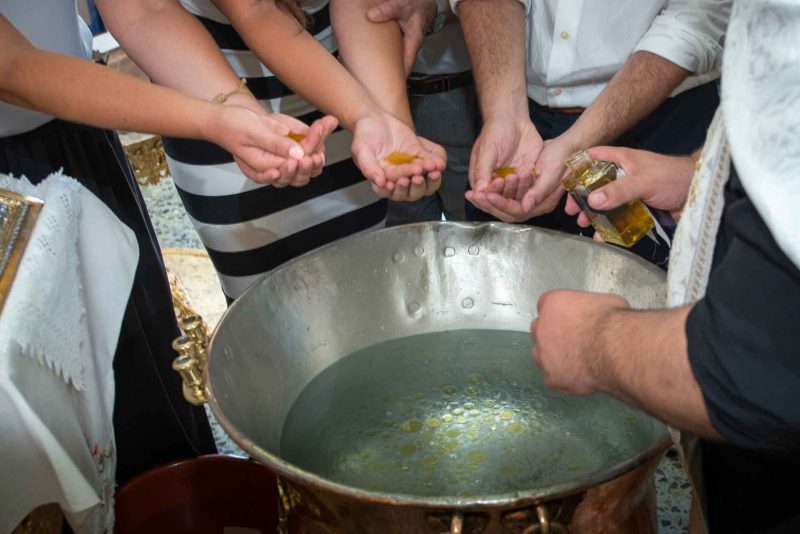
pixel 617 193
pixel 383 12
pixel 278 145
pixel 484 166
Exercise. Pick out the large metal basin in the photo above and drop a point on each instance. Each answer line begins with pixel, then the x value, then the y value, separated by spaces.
pixel 423 278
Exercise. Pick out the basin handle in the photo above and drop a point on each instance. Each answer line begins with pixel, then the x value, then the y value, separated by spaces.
pixel 544 525
pixel 191 347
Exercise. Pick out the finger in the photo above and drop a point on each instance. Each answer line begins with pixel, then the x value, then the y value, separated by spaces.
pixel 314 137
pixel 388 10
pixel 619 155
pixel 548 205
pixel 525 183
pixel 266 139
pixel 583 220
pixel 619 192
pixel 401 189
pixel 381 191
pixel 327 125
pixel 510 186
pixel 433 183
pixel 412 42
pixel 319 164
pixel 396 172
pixel 484 165
pixel 417 188
pixel 260 177
pixel 497 185
pixel 597 237
pixel 571 207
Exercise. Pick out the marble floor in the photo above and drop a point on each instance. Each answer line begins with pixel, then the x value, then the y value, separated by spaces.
pixel 185 258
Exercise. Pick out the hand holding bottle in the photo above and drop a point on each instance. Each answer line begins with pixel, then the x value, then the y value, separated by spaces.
pixel 659 181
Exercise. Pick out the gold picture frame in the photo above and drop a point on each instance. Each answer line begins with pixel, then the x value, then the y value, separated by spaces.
pixel 18 214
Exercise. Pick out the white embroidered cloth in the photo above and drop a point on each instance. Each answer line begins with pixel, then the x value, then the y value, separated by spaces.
pixel 756 126
pixel 58 333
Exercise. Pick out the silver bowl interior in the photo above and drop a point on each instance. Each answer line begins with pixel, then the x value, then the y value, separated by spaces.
pixel 365 290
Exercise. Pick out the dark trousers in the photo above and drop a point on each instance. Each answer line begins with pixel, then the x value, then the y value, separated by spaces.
pixel 678 126
pixel 153 424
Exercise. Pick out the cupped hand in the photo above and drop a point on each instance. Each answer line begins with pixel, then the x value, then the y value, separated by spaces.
pixel 380 134
pixel 564 335
pixel 413 17
pixel 661 182
pixel 503 142
pixel 260 146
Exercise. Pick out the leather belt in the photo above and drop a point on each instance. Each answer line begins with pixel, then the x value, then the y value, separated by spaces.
pixel 431 84
pixel 566 111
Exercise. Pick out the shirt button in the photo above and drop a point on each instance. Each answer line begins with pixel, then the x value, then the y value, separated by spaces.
pixel 565 35
pixel 556 91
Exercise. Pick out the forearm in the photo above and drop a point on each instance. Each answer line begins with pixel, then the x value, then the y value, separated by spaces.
pixel 170 45
pixel 379 66
pixel 643 360
pixel 643 83
pixel 299 60
pixel 80 91
pixel 494 31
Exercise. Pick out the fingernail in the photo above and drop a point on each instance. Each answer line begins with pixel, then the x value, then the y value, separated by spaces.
pixel 598 199
pixel 296 152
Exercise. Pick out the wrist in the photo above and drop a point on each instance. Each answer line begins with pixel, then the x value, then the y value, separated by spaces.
pixel 245 99
pixel 603 336
pixel 353 114
pixel 204 121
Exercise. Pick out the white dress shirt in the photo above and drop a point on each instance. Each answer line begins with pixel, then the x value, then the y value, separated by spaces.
pixel 574 47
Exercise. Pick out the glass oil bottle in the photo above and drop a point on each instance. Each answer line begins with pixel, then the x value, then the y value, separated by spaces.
pixel 623 225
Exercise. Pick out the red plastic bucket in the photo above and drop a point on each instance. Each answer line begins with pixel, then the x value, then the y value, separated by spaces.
pixel 212 494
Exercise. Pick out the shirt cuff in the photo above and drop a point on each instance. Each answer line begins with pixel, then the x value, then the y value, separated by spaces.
pixel 689 49
pixel 526 3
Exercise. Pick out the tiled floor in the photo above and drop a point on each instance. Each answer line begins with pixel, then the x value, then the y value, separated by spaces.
pixel 176 234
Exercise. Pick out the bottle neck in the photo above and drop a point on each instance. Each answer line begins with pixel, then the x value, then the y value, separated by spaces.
pixel 579 162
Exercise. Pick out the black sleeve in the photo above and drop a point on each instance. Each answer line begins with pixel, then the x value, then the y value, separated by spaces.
pixel 744 336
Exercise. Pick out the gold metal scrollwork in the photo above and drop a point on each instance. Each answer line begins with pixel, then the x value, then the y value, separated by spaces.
pixel 191 347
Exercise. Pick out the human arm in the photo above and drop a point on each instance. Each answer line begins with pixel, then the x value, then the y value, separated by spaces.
pixel 379 69
pixel 494 32
pixel 684 39
pixel 589 342
pixel 308 68
pixel 80 91
pixel 172 47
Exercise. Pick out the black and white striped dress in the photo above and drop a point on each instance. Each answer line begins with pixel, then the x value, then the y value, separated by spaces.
pixel 248 228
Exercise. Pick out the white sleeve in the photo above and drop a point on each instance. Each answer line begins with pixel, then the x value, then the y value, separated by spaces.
pixel 689 33
pixel 526 3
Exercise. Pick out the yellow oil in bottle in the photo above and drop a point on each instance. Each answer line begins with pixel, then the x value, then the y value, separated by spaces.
pixel 622 226
pixel 502 172
pixel 296 136
pixel 400 158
